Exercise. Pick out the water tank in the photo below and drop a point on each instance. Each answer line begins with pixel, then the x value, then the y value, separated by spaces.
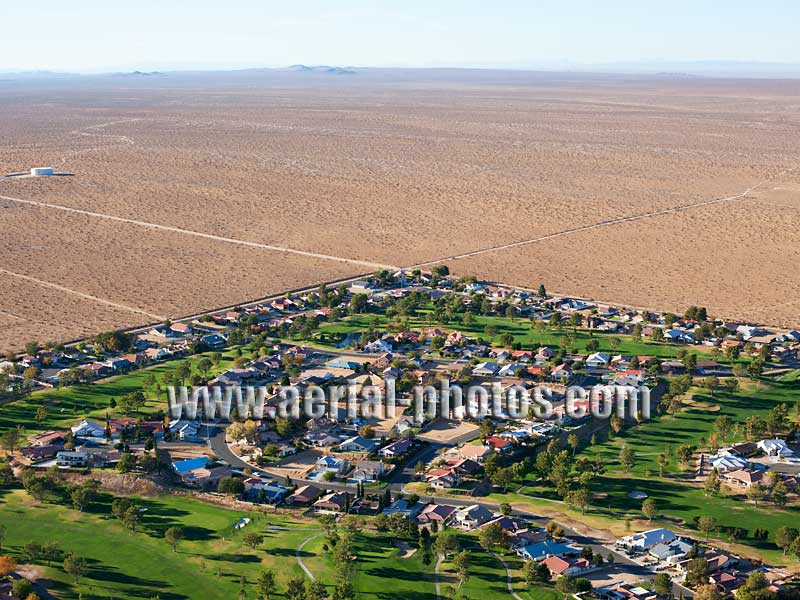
pixel 41 171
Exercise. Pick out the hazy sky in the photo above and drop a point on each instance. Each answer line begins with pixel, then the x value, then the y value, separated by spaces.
pixel 92 35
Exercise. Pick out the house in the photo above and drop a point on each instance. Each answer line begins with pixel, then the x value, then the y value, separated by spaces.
pixel 508 524
pixel 48 438
pixel 333 503
pixel 510 370
pixel 478 453
pixel 338 466
pixel 304 496
pixel 443 478
pixel 395 449
pixel 775 448
pixel 717 561
pixel 440 513
pixel 647 539
pixel 256 488
pixel 365 505
pixel 486 369
pixel 625 591
pixel 206 477
pixel 743 477
pixel 367 471
pixel 541 550
pixel 184 430
pixel 727 462
pixel 598 360
pixel 104 460
pixel 498 444
pixel 378 347
pixel 359 444
pixel 214 340
pixel 727 582
pixel 36 454
pixel 561 372
pixel 470 517
pixel 465 467
pixel 361 287
pixel 403 507
pixel 185 466
pixel 671 552
pixel 88 429
pixel 566 566
pixel 76 458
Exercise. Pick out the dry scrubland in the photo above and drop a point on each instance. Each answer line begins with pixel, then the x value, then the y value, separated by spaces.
pixel 401 168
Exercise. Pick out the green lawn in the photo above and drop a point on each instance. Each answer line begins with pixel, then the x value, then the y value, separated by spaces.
pixel 123 564
pixel 379 571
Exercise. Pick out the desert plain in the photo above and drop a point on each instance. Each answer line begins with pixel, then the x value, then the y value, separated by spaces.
pixel 191 191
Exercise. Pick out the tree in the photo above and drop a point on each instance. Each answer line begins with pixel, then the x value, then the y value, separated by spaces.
pixel 662 584
pixel 708 591
pixel 784 536
pixel 778 494
pixel 491 535
pixel 723 426
pixel 127 463
pixel 10 439
pixel 132 402
pixel 697 571
pixel 367 431
pixel 649 509
pixel 542 291
pixel 535 572
pixel 505 509
pixel 712 484
pixel 253 540
pixel 755 493
pixel 580 498
pixel 173 536
pixel 83 495
pixel 296 589
pixel 7 565
pixel 627 458
pixel 74 566
pixel 755 588
pixel 574 442
pixel 706 524
pixel 502 477
pixel 230 485
pixel 461 563
pixel 315 590
pixel 22 588
pixel 445 543
pixel 131 518
pixel 266 585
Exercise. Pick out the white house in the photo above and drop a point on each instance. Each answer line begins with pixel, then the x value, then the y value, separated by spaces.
pixel 88 429
pixel 487 369
pixel 72 459
pixel 647 539
pixel 470 517
pixel 359 444
pixel 395 449
pixel 775 448
pixel 598 360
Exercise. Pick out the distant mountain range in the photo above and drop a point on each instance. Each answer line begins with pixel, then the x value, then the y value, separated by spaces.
pixel 665 69
pixel 323 69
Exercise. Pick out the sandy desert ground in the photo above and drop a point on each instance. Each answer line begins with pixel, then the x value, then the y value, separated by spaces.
pixel 622 177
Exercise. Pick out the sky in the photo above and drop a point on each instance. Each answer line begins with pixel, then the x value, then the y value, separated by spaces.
pixel 109 35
